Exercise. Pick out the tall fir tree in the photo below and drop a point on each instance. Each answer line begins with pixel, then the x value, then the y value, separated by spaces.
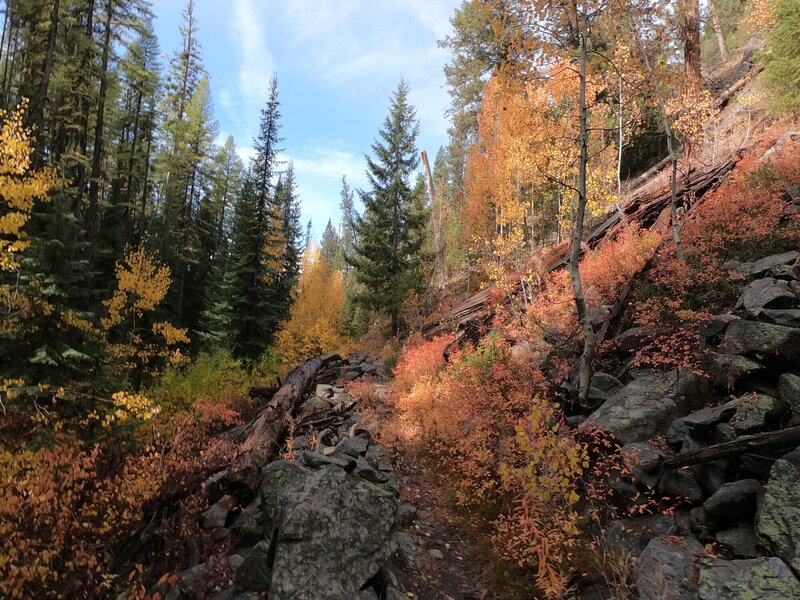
pixel 386 253
pixel 330 246
pixel 291 237
pixel 254 305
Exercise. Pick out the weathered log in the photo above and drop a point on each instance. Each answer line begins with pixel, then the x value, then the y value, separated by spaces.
pixel 263 443
pixel 725 96
pixel 262 391
pixel 772 440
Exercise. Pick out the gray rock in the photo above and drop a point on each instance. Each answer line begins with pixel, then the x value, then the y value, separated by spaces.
pixel 324 391
pixel 316 460
pixel 755 579
pixel 676 433
pixel 632 535
pixel 734 499
pixel 406 514
pixel 666 569
pixel 275 478
pixel 723 432
pixel 326 437
pixel 701 422
pixel 752 413
pixel 333 534
pixel 648 404
pixel 778 520
pixel 189 582
pixel 217 514
pixel 406 552
pixel 753 337
pixel 636 454
pixel 740 541
pixel 751 269
pixel 605 382
pixel 392 593
pixel 355 446
pixel 680 484
pixel 711 329
pixel 728 369
pixel 632 339
pixel 366 472
pixel 789 390
pixel 367 594
pixel 789 317
pixel 765 293
pixel 255 572
pixel 705 525
pixel 435 553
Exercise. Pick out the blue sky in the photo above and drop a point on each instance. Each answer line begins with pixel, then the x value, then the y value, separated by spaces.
pixel 337 62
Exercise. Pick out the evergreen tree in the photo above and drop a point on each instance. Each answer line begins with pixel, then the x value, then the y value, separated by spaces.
pixel 386 253
pixel 257 253
pixel 292 242
pixel 330 246
pixel 347 234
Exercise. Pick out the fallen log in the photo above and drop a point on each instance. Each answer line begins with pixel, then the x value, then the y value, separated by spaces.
pixel 262 391
pixel 772 440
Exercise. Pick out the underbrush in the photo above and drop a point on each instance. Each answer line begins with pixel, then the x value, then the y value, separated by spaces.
pixel 500 444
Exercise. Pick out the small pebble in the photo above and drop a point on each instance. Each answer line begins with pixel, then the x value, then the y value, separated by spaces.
pixel 436 553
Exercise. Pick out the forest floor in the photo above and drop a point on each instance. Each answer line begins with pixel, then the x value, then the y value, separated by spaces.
pixel 448 567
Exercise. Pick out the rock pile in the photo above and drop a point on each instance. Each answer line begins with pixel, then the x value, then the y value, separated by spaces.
pixel 747 503
pixel 323 523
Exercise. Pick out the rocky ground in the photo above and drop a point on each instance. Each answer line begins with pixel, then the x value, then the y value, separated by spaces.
pixel 722 446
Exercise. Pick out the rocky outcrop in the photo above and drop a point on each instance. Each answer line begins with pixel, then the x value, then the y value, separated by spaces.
pixel 778 520
pixel 759 578
pixel 648 404
pixel 666 569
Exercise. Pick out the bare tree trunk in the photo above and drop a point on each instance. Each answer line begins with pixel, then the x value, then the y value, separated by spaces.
pixel 97 153
pixel 41 98
pixel 689 24
pixel 717 27
pixel 589 340
pixel 436 217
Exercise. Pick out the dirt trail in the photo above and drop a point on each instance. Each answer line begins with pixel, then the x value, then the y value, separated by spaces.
pixel 446 568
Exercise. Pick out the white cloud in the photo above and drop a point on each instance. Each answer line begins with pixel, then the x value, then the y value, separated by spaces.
pixel 256 64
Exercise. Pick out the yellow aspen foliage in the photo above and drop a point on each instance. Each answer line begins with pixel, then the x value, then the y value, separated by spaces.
pixel 519 175
pixel 759 15
pixel 142 284
pixel 315 319
pixel 20 186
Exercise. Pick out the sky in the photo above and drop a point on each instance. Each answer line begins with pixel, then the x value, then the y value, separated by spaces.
pixel 337 63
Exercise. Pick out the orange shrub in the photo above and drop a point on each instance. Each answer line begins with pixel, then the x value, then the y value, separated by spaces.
pixel 421 360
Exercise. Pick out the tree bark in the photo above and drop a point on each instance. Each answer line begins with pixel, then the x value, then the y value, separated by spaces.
pixel 589 341
pixel 99 127
pixel 718 32
pixel 689 25
pixel 41 98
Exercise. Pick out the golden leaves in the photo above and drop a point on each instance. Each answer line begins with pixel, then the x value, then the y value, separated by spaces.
pixel 19 186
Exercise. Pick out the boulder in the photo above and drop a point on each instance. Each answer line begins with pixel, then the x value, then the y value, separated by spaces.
pixel 667 565
pixel 734 499
pixel 739 541
pixel 353 446
pixel 676 433
pixel 758 578
pixel 324 391
pixel 648 404
pixel 765 293
pixel 755 338
pixel 728 369
pixel 789 390
pixel 704 524
pixel 756 412
pixel 637 453
pixel 712 328
pixel 333 534
pixel 680 484
pixel 788 317
pixel 255 572
pixel 632 535
pixel 316 460
pixel 752 269
pixel 778 520
pixel 630 340
pixel 701 422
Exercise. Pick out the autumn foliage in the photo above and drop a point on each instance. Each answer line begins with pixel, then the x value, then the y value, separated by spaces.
pixel 315 322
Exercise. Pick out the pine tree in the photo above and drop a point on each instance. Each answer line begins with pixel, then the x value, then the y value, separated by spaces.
pixel 347 234
pixel 257 258
pixel 292 244
pixel 388 245
pixel 330 246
